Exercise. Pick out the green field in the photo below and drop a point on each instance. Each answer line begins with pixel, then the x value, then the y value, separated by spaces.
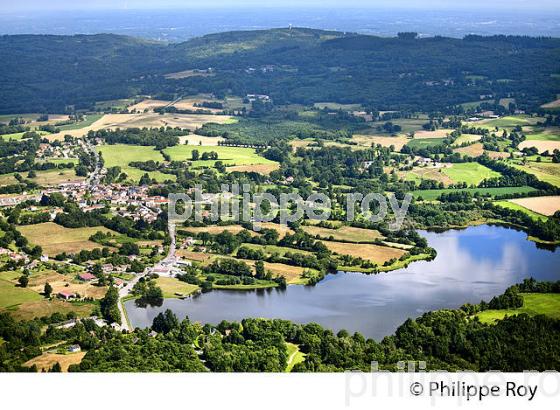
pixel 114 104
pixel 544 171
pixel 270 249
pixel 58 161
pixel 228 155
pixel 550 134
pixel 419 143
pixel 295 356
pixel 48 177
pixel 337 106
pixel 433 194
pixel 533 304
pixel 90 119
pixel 511 121
pixel 471 173
pixel 517 207
pixel 18 135
pixel 11 295
pixel 55 239
pixel 172 287
pixel 466 138
pixel 121 155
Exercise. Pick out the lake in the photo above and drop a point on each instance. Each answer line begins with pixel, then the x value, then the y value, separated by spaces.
pixel 472 264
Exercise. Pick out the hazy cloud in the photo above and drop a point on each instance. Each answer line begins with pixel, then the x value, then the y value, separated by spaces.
pixel 29 5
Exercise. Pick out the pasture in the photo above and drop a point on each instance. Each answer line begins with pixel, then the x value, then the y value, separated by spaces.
pixel 18 136
pixel 553 105
pixel 214 229
pixel 433 194
pixel 417 174
pixel 337 106
pixel 533 304
pixel 292 274
pixel 47 360
pixel 544 171
pixel 263 169
pixel 281 229
pixel 173 288
pixel 149 120
pixel 383 140
pixel 198 140
pixel 55 239
pixel 45 178
pixel 89 119
pixel 11 295
pixel 274 249
pixel 473 150
pixel 438 134
pixel 508 122
pixel 122 155
pixel 516 207
pixel 44 307
pixel 229 156
pixel 472 173
pixel 295 356
pixel 417 143
pixel 541 145
pixel 186 74
pixel 466 138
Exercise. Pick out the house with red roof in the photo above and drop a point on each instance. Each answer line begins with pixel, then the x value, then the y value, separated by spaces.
pixel 86 277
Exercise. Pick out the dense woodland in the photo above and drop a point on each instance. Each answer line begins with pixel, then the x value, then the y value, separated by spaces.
pixel 56 73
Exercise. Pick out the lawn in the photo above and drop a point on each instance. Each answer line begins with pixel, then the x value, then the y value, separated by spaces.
pixel 173 287
pixel 122 155
pixel 533 304
pixel 55 239
pixel 230 156
pixel 471 173
pixel 433 194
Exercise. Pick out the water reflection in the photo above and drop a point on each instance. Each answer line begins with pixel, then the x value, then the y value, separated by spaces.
pixel 472 264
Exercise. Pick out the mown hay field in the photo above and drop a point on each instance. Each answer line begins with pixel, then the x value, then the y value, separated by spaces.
pixel 344 233
pixel 375 253
pixel 544 205
pixel 55 239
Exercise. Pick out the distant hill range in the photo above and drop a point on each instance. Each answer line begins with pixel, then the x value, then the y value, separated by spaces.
pixel 43 73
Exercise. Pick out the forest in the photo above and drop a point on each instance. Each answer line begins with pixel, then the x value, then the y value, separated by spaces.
pixel 61 73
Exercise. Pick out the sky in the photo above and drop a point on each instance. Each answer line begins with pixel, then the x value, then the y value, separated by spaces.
pixel 56 5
